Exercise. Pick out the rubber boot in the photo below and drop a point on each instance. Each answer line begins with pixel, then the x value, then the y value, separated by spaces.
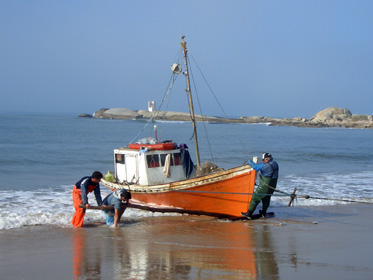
pixel 248 215
pixel 263 213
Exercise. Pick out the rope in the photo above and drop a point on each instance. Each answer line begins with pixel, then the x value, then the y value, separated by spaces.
pixel 333 199
pixel 221 107
pixel 283 194
pixel 259 194
pixel 200 109
pixel 314 197
pixel 169 88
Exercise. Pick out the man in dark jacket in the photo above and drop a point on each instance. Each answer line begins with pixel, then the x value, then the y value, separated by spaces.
pixel 80 191
pixel 115 199
pixel 268 176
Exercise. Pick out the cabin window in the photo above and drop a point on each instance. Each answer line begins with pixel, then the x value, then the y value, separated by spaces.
pixel 153 161
pixel 163 159
pixel 177 159
pixel 119 158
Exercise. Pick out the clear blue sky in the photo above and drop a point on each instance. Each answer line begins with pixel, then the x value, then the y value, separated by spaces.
pixel 266 58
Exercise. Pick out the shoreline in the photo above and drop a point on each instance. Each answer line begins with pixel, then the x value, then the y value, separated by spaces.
pixel 330 117
pixel 289 246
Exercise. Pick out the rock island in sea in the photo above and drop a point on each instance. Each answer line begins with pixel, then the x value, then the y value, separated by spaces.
pixel 330 117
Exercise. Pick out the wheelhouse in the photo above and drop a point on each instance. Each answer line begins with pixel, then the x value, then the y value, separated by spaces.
pixel 147 166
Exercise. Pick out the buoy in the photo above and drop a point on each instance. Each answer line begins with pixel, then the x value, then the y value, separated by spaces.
pixel 158 146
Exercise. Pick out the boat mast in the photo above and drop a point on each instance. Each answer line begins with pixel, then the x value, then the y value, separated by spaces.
pixel 183 45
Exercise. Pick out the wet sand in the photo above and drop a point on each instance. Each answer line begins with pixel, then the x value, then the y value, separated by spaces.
pixel 299 243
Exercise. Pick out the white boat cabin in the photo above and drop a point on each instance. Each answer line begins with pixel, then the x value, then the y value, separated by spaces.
pixel 150 164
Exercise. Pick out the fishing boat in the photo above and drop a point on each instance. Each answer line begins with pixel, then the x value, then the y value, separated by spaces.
pixel 161 174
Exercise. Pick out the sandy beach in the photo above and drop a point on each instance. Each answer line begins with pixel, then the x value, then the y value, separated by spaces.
pixel 299 243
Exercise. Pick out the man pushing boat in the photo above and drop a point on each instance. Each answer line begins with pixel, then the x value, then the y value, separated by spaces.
pixel 80 191
pixel 267 184
pixel 115 199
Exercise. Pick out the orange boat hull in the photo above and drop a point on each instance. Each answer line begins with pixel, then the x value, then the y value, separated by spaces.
pixel 227 193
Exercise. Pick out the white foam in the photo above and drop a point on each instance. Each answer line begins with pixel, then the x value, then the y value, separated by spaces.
pixel 53 206
pixel 330 188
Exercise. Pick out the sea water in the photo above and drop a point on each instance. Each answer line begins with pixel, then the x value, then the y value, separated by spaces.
pixel 43 156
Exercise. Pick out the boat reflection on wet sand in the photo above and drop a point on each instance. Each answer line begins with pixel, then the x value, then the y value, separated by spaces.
pixel 172 248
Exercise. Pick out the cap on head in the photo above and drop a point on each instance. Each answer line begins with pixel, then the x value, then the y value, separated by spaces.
pixel 266 155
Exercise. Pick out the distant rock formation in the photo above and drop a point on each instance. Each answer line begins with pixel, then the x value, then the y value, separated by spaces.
pixel 85 116
pixel 330 117
pixel 338 117
pixel 123 113
pixel 332 113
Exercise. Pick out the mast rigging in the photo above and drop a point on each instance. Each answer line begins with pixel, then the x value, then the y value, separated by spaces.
pixel 186 73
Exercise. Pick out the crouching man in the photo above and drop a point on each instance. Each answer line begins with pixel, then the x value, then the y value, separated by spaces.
pixel 116 199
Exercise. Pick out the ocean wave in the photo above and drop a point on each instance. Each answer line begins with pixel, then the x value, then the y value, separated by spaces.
pixel 50 206
pixel 329 188
pixel 53 205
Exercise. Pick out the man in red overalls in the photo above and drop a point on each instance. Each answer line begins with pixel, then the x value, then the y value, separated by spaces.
pixel 80 191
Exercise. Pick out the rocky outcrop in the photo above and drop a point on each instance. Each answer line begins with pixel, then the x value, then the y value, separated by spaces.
pixel 123 113
pixel 330 117
pixel 85 116
pixel 332 114
pixel 338 117
pixel 116 113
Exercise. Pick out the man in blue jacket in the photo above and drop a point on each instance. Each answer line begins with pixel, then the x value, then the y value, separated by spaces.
pixel 116 199
pixel 268 176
